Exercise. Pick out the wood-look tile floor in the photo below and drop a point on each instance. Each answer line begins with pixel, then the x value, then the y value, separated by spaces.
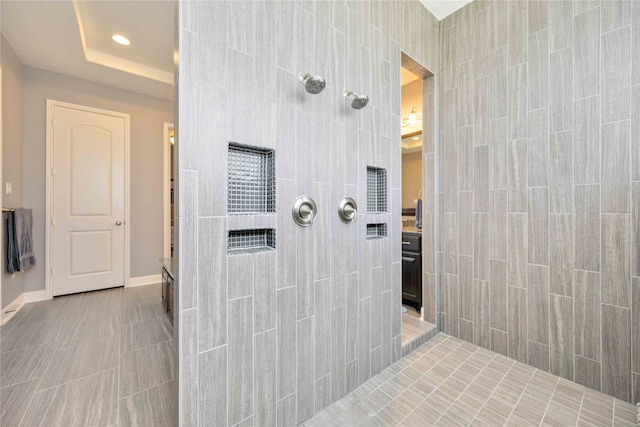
pixel 412 326
pixel 449 382
pixel 101 358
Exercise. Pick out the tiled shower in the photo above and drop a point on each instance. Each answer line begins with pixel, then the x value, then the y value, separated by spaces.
pixel 531 205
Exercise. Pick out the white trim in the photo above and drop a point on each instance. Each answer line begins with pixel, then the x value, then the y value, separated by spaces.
pixel 51 104
pixel 166 188
pixel 145 280
pixel 35 296
pixel 12 308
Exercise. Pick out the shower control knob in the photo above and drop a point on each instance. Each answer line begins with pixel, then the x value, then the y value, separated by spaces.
pixel 304 211
pixel 347 210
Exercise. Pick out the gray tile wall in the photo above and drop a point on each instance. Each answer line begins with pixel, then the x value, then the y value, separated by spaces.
pixel 549 202
pixel 269 339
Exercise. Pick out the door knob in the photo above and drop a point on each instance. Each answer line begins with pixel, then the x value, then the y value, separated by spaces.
pixel 118 222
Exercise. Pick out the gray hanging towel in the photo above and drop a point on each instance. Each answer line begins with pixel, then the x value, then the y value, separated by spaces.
pixel 24 239
pixel 419 214
pixel 13 257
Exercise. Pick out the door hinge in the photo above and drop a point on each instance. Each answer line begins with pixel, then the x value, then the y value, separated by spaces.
pixel 53 221
pixel 52 271
pixel 53 171
pixel 53 122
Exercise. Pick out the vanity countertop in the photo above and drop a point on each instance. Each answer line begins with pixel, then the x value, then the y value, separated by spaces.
pixel 411 230
pixel 167 263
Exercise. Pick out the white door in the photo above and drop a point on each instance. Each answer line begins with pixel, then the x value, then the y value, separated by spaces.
pixel 88 200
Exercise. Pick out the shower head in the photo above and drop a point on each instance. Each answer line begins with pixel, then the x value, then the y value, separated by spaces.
pixel 358 102
pixel 312 84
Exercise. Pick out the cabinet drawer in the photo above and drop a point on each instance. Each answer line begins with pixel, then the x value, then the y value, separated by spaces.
pixel 411 243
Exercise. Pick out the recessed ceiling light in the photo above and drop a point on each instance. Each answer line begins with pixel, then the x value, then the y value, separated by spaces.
pixel 121 39
pixel 415 138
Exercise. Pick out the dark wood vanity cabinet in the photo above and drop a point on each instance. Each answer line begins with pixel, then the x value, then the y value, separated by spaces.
pixel 412 269
pixel 167 288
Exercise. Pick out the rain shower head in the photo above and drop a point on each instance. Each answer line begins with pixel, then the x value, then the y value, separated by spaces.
pixel 312 84
pixel 358 102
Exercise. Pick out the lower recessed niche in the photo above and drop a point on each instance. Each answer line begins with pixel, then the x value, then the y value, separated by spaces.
pixel 376 231
pixel 250 241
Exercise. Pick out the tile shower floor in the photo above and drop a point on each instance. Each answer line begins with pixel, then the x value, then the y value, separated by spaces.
pixel 449 382
pixel 102 358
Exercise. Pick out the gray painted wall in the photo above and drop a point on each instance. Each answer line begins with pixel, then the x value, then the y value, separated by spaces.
pixel 147 116
pixel 270 338
pixel 11 158
pixel 541 229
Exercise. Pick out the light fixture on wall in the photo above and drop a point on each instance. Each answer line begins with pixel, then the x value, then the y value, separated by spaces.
pixel 412 119
pixel 171 138
pixel 120 39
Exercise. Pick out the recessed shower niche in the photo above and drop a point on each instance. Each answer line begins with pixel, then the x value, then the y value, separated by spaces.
pixel 250 241
pixel 376 231
pixel 251 180
pixel 376 190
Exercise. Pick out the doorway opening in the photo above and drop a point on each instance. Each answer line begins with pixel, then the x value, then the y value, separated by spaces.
pixel 418 202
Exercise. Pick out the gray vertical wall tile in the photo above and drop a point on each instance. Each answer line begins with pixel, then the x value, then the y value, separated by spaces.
pixel 285 235
pixel 498 29
pixel 481 43
pixel 538 225
pixel 538 15
pixel 286 411
pixel 304 274
pixel 465 219
pixel 615 78
pixel 450 127
pixel 616 351
pixel 500 342
pixel 560 174
pixel 635 29
pixel 451 301
pixel 498 220
pixel 305 392
pixel 322 392
pixel 465 158
pixel 265 291
pixel 451 180
pixel 518 18
pixel 364 340
pixel 561 90
pixel 635 125
pixel 586 141
pixel 377 279
pixel 498 150
pixel 588 372
pixel 240 276
pixel 635 229
pixel 240 359
pixel 538 355
pixel 212 63
pixel 635 324
pixel 517 176
pixel 338 361
pixel 587 314
pixel 286 351
pixel 498 81
pixel 517 323
pixel 352 316
pixel 498 295
pixel 465 94
pixel 212 279
pixel 587 227
pixel 615 167
pixel 450 239
pixel 538 149
pixel 188 239
pixel 481 111
pixel 518 248
pixel 212 385
pixel 188 351
pixel 615 14
pixel 539 303
pixel 560 25
pixel 481 179
pixel 561 336
pixel 322 328
pixel 615 260
pixel 561 254
pixel 481 246
pixel 265 367
pixel 482 314
pixel 517 100
pixel 586 79
pixel 466 288
pixel 465 328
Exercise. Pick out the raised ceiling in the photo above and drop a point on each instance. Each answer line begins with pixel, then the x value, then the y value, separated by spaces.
pixel 74 37
pixel 443 8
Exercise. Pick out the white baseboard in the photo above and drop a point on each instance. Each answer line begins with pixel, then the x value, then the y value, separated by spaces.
pixel 9 311
pixel 145 280
pixel 35 296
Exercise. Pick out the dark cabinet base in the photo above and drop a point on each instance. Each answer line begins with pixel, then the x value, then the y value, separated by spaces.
pixel 412 271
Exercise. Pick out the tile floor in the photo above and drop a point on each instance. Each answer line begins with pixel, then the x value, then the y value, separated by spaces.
pixel 449 382
pixel 102 358
pixel 415 332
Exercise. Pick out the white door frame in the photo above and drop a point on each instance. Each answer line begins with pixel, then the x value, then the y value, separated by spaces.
pixel 51 104
pixel 166 189
pixel 1 192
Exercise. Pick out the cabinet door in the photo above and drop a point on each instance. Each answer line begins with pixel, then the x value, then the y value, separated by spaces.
pixel 165 289
pixel 411 271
